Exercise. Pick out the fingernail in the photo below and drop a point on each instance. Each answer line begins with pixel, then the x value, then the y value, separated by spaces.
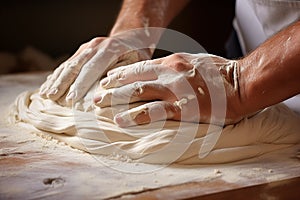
pixel 97 98
pixel 104 82
pixel 71 96
pixel 124 120
pixel 53 91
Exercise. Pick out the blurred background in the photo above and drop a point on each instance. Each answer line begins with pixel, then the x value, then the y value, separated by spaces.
pixel 40 34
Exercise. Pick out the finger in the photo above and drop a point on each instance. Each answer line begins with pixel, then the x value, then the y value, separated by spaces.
pixel 90 73
pixel 50 80
pixel 60 83
pixel 84 53
pixel 137 91
pixel 44 89
pixel 111 53
pixel 141 71
pixel 147 113
pixel 153 62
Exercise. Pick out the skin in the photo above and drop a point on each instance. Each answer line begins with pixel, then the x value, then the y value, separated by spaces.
pixel 178 87
pixel 269 75
pixel 73 78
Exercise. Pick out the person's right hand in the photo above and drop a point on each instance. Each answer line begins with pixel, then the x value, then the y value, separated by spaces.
pixel 199 88
pixel 73 78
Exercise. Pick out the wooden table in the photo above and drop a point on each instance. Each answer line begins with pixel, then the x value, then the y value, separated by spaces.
pixel 32 167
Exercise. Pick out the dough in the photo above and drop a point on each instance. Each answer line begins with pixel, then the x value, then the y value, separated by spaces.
pixel 91 129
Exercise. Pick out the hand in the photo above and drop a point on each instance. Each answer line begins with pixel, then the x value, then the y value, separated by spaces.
pixel 73 78
pixel 187 87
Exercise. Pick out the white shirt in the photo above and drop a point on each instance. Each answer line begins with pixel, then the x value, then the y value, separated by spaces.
pixel 257 20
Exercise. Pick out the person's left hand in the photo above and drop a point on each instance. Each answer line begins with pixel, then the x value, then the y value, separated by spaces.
pixel 180 87
pixel 73 78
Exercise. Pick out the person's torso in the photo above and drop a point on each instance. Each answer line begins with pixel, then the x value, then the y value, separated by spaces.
pixel 257 20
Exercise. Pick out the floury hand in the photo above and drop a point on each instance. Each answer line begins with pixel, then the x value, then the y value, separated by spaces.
pixel 73 78
pixel 180 87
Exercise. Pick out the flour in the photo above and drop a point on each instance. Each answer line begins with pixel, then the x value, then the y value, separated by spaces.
pixel 201 91
pixel 146 26
pixel 129 116
pixel 190 97
pixel 180 103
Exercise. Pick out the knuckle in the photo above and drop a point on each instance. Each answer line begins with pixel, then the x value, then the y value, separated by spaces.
pixel 113 42
pixel 142 89
pixel 177 62
pixel 86 51
pixel 71 64
pixel 71 68
pixel 139 68
pixel 120 75
pixel 83 46
pixel 180 66
pixel 49 77
pixel 138 88
pixel 96 41
pixel 172 110
pixel 175 56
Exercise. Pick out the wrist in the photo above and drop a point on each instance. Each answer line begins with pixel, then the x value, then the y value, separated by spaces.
pixel 251 85
pixel 235 92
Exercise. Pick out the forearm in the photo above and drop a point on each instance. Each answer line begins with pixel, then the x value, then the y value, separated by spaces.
pixel 271 73
pixel 146 13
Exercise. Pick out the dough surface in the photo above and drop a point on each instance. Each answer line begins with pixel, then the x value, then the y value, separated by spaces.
pixel 91 129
